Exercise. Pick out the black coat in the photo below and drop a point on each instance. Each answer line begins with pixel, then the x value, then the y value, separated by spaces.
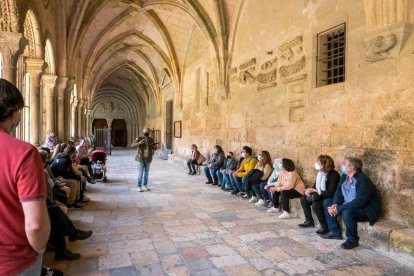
pixel 367 197
pixel 332 181
pixel 62 166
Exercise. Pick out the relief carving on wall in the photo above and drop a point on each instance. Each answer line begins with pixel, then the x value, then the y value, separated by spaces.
pixel 293 61
pixel 379 46
pixel 268 76
pixel 247 70
pixel 29 35
pixel 109 108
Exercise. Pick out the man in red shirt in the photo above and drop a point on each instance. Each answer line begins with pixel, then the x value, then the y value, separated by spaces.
pixel 24 221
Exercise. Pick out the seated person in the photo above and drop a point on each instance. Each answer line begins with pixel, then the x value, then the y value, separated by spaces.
pixel 214 164
pixel 327 181
pixel 356 200
pixel 262 191
pixel 62 166
pixel 193 161
pixel 289 185
pixel 248 164
pixel 51 140
pixel 229 165
pixel 61 224
pixel 264 165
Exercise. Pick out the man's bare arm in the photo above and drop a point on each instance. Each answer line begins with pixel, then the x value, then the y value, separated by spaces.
pixel 37 224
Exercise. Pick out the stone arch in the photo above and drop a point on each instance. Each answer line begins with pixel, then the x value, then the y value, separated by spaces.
pixel 31 31
pixel 50 58
pixel 8 16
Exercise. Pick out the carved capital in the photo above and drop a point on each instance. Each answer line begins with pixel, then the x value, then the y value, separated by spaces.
pixel 12 45
pixel 49 82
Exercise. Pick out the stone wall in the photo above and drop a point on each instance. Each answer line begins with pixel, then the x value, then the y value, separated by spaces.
pixel 273 102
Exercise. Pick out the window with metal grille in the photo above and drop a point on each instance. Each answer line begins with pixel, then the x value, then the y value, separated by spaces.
pixel 331 56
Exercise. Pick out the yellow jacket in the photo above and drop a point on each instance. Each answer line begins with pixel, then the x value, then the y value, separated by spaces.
pixel 246 166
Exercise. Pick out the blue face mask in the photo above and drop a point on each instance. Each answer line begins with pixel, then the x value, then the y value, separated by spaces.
pixel 343 169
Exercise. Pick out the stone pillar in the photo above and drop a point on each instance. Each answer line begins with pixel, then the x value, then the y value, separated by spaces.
pixel 34 68
pixel 11 45
pixel 81 119
pixel 48 86
pixel 74 120
pixel 88 115
pixel 60 92
pixel 68 108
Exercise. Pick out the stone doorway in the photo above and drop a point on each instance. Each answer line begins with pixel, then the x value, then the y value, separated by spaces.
pixel 169 125
pixel 119 133
pixel 99 123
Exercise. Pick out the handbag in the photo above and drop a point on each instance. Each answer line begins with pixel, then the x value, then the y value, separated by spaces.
pixel 201 159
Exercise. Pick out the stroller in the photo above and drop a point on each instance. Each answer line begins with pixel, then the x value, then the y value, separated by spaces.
pixel 99 165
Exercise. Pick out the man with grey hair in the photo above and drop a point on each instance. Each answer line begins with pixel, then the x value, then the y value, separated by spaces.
pixel 145 151
pixel 356 200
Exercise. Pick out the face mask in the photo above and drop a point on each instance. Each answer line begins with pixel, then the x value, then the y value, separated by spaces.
pixel 229 157
pixel 215 151
pixel 279 166
pixel 146 134
pixel 317 166
pixel 243 155
pixel 259 157
pixel 343 169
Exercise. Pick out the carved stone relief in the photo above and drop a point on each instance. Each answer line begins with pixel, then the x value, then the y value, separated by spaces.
pixel 109 108
pixel 29 35
pixel 267 78
pixel 293 61
pixel 247 71
pixel 379 47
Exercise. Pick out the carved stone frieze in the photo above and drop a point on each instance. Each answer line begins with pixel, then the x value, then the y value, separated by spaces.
pixel 29 35
pixel 267 78
pixel 109 108
pixel 293 61
pixel 247 71
pixel 379 47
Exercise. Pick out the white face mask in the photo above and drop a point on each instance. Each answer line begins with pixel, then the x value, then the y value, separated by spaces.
pixel 215 151
pixel 259 157
pixel 317 166
pixel 243 155
pixel 279 166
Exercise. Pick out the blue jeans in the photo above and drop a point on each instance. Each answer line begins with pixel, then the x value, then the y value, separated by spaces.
pixel 259 191
pixel 226 180
pixel 143 170
pixel 34 269
pixel 237 183
pixel 220 177
pixel 332 222
pixel 211 174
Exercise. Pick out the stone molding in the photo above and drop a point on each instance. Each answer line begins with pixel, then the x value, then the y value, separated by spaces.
pixel 293 61
pixel 49 82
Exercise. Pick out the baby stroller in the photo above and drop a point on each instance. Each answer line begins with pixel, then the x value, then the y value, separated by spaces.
pixel 99 165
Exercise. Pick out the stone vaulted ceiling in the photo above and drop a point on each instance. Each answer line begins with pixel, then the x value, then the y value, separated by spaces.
pixel 128 46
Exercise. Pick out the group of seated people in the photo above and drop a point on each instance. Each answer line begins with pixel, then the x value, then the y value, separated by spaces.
pixel 66 182
pixel 353 195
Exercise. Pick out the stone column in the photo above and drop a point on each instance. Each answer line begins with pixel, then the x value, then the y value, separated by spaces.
pixel 34 68
pixel 81 119
pixel 74 121
pixel 88 115
pixel 48 86
pixel 60 92
pixel 11 45
pixel 68 108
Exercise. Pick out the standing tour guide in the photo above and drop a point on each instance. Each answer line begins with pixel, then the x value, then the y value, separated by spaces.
pixel 145 151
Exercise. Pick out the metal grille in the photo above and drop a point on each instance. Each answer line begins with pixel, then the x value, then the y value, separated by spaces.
pixel 331 58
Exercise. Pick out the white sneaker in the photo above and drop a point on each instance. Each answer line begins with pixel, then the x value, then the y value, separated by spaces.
pixel 285 215
pixel 253 199
pixel 146 188
pixel 140 189
pixel 260 202
pixel 273 210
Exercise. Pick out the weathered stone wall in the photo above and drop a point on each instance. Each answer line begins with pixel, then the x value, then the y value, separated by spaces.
pixel 274 104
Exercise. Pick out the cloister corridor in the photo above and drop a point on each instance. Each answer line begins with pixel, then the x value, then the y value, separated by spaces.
pixel 185 227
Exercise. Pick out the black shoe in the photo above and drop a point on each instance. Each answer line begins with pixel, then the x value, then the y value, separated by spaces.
pixel 349 245
pixel 209 182
pixel 215 183
pixel 67 256
pixel 190 173
pixel 322 231
pixel 331 236
pixel 223 187
pixel 234 192
pixel 75 206
pixel 80 235
pixel 307 224
pixel 47 271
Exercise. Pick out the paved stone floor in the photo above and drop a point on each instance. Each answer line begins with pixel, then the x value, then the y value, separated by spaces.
pixel 185 227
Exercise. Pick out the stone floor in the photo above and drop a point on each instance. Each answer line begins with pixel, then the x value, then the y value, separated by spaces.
pixel 185 227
